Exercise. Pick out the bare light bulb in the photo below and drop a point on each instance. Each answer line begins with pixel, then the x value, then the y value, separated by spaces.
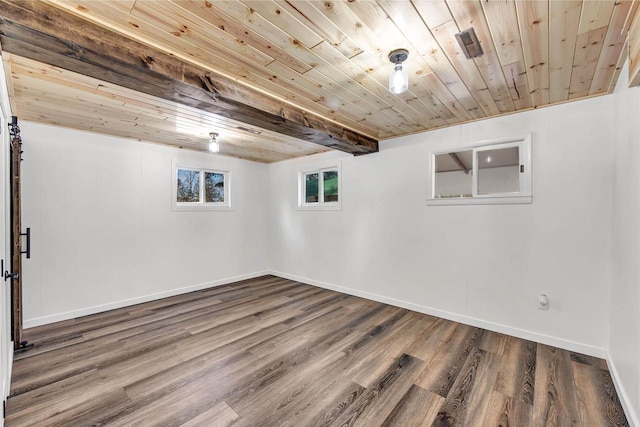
pixel 214 145
pixel 399 80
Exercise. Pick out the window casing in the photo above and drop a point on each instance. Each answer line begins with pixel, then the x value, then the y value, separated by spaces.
pixel 320 188
pixel 200 189
pixel 489 172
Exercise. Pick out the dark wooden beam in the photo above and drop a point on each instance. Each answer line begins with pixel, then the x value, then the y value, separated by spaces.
pixel 39 31
pixel 460 163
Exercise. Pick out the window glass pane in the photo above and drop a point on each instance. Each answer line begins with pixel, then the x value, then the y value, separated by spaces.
pixel 330 186
pixel 498 170
pixel 453 175
pixel 213 187
pixel 311 181
pixel 188 186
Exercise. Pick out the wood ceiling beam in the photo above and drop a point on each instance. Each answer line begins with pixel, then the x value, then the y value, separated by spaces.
pixel 460 163
pixel 634 51
pixel 39 31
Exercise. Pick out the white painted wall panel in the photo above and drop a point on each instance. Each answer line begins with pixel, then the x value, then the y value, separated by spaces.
pixel 104 233
pixel 624 340
pixel 475 263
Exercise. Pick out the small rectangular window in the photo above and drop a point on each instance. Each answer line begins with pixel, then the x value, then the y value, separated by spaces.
pixel 453 174
pixel 330 185
pixel 312 188
pixel 188 186
pixel 196 188
pixel 493 172
pixel 213 187
pixel 319 189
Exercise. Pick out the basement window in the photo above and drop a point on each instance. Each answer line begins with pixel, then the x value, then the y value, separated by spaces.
pixel 489 172
pixel 197 188
pixel 319 189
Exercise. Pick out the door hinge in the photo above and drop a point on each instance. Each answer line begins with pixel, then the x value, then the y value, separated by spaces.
pixel 4 409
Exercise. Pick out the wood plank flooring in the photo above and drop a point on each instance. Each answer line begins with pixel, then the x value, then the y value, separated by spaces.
pixel 272 352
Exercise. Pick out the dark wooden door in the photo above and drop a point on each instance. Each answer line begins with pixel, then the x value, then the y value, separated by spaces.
pixel 16 237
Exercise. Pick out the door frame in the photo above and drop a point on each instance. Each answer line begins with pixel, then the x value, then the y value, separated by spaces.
pixel 15 235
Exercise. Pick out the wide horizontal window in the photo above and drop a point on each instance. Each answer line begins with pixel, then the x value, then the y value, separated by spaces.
pixel 492 172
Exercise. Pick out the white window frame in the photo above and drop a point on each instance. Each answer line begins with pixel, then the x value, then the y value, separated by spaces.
pixel 525 195
pixel 201 205
pixel 320 204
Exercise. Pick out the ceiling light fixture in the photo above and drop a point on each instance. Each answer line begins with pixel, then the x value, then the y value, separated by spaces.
pixel 399 79
pixel 214 145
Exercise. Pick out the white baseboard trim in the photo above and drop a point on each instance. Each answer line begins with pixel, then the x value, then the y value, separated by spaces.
pixel 38 321
pixel 467 320
pixel 632 416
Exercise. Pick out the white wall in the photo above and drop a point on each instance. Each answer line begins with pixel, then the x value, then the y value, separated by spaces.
pixel 624 336
pixel 479 264
pixel 104 233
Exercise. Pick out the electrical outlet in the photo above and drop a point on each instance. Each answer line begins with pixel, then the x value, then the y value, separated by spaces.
pixel 543 302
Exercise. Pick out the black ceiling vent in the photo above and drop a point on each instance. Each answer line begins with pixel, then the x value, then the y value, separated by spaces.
pixel 469 43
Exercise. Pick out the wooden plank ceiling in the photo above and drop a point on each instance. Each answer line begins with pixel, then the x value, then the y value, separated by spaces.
pixel 329 58
pixel 47 94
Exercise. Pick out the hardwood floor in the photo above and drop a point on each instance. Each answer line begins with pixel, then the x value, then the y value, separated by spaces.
pixel 271 352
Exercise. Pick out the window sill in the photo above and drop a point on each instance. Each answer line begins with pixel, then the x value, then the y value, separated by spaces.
pixel 452 201
pixel 321 207
pixel 200 208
